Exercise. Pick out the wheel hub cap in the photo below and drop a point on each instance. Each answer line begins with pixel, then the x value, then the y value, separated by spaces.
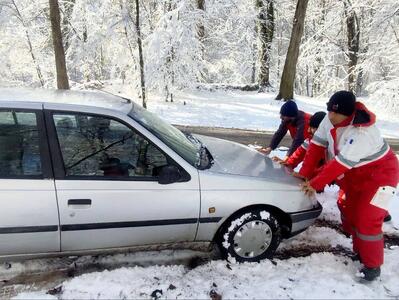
pixel 252 239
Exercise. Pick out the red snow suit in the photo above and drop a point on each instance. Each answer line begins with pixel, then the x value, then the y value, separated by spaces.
pixel 298 129
pixel 367 170
pixel 297 157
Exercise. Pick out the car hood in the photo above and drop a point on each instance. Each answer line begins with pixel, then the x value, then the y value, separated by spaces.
pixel 236 159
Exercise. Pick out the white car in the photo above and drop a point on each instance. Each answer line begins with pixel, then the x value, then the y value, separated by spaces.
pixel 84 171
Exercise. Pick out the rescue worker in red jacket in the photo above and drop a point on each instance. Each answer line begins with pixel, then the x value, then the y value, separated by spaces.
pixel 367 169
pixel 297 157
pixel 293 120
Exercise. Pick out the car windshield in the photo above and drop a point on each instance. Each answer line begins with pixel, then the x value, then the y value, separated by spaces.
pixel 188 147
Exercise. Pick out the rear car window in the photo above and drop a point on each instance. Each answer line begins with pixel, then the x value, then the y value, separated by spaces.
pixel 19 145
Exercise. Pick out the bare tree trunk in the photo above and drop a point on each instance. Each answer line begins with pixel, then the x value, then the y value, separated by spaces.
pixel 139 42
pixel 254 58
pixel 201 33
pixel 287 79
pixel 265 34
pixel 353 35
pixel 201 27
pixel 28 40
pixel 60 65
pixel 317 67
pixel 279 46
pixel 169 61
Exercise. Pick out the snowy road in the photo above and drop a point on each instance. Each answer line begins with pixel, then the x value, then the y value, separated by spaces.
pixel 254 137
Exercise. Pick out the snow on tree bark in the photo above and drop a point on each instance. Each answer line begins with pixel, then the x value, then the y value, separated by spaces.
pixel 353 39
pixel 265 29
pixel 141 59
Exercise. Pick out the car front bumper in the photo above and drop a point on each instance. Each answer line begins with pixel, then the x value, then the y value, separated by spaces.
pixel 303 219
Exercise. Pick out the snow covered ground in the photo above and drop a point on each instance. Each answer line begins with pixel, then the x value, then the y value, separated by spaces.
pixel 245 110
pixel 316 276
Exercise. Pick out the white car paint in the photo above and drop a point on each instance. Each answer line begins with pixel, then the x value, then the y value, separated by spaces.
pixel 239 177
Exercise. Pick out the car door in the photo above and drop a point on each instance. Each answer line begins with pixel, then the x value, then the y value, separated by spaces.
pixel 29 214
pixel 107 187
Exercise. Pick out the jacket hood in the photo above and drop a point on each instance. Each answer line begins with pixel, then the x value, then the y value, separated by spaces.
pixel 362 116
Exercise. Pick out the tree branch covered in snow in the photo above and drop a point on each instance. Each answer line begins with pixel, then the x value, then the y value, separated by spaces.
pixel 189 42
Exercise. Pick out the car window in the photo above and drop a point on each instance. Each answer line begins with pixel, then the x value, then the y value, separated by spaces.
pixel 19 145
pixel 103 147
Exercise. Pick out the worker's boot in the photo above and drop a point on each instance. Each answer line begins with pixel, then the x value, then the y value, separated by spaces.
pixel 387 218
pixel 356 257
pixel 370 274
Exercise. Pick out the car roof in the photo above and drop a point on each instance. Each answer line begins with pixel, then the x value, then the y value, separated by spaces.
pixel 83 98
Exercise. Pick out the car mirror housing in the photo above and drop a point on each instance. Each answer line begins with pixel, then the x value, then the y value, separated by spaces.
pixel 169 174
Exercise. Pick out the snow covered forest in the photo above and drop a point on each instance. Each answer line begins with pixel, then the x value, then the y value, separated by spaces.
pixel 180 44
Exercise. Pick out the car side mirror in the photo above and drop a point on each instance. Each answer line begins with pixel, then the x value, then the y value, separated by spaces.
pixel 169 174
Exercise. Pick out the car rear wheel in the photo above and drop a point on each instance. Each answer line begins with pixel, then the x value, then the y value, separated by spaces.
pixel 250 237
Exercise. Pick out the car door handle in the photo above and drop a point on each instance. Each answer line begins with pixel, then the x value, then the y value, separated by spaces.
pixel 79 202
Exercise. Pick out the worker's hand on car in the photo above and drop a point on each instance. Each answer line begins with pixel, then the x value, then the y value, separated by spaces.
pixel 277 159
pixel 297 175
pixel 308 189
pixel 284 161
pixel 265 150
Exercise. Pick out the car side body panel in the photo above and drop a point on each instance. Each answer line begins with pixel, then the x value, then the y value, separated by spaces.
pixel 29 214
pixel 223 195
pixel 28 217
pixel 127 212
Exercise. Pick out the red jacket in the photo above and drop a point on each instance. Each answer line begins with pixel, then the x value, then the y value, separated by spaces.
pixel 297 157
pixel 298 130
pixel 356 151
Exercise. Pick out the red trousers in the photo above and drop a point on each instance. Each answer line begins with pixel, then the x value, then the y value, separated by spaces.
pixel 360 218
pixel 341 203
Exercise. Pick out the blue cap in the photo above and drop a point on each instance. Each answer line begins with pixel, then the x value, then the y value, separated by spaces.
pixel 289 109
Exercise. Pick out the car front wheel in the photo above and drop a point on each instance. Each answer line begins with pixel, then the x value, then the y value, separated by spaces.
pixel 251 237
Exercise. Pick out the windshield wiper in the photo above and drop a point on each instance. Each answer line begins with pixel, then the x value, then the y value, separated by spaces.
pixel 192 138
pixel 205 158
pixel 204 154
pixel 98 151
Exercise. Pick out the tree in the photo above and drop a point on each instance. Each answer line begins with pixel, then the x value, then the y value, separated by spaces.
pixel 174 50
pixel 353 40
pixel 141 59
pixel 62 76
pixel 265 29
pixel 201 27
pixel 287 79
pixel 28 41
pixel 66 17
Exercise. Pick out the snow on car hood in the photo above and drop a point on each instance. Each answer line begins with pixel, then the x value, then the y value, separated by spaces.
pixel 236 159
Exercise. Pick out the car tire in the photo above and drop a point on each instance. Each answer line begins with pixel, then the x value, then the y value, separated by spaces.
pixel 250 237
